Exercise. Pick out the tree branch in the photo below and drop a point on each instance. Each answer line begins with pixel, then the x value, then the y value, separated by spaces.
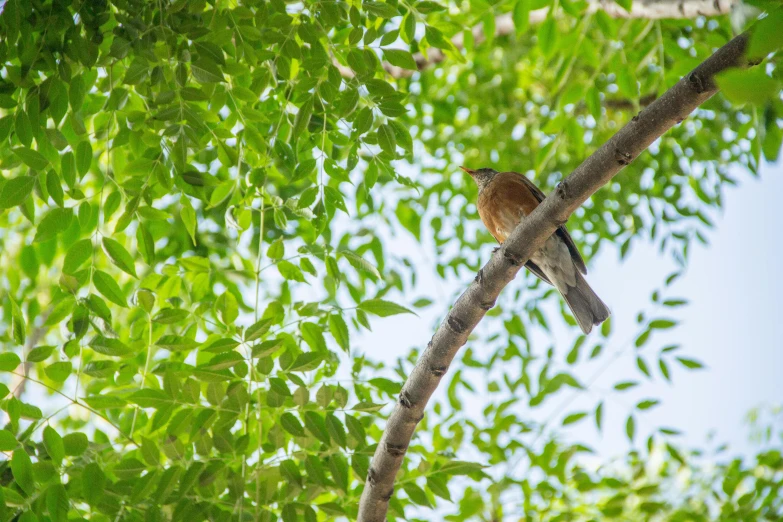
pixel 667 111
pixel 504 25
pixel 19 380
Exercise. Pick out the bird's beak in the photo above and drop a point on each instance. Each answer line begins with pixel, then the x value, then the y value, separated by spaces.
pixel 469 171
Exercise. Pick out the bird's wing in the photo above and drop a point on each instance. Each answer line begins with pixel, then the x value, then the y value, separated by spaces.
pixel 562 231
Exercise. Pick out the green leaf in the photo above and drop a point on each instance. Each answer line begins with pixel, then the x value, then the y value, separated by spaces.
pixel 647 404
pixel 662 324
pixel 302 119
pixel 257 329
pixel 336 429
pixel 691 364
pixel 338 465
pixel 226 304
pixel 642 365
pixel 177 343
pixel 68 169
pixel 380 9
pixel 22 469
pixel 748 85
pixel 400 58
pixel 207 71
pixel 599 416
pixel 313 336
pixel 56 221
pixel 460 467
pixel 59 371
pixel 386 138
pixel 15 191
pixel 363 121
pixel 109 288
pixel 93 480
pixel 367 407
pixel 9 361
pixel 383 308
pixel 574 418
pixel 119 256
pixel 306 362
pixel 439 486
pixel 359 263
pixel 291 424
pixel 642 339
pixel 136 73
pixel 521 16
pixel 547 36
pixel 339 331
pixel 416 494
pixel 188 215
pixel 75 444
pixel 109 346
pixel 31 158
pixel 316 425
pixel 54 188
pixel 620 386
pixel 630 427
pixel 221 193
pixel 54 444
pixel 7 441
pixel 23 128
pixel 276 250
pixel 437 40
pixel 766 36
pixel 408 28
pixel 83 157
pixel 40 353
pixel 212 51
pixel 171 316
pixel 145 243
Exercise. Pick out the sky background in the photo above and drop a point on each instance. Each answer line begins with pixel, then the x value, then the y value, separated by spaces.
pixel 734 325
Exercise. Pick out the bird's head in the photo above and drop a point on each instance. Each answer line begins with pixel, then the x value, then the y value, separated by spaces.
pixel 482 177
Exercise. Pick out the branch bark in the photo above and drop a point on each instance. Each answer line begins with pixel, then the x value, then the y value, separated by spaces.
pixel 504 25
pixel 597 170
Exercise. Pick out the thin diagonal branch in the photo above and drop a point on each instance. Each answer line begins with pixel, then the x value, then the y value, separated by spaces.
pixel 597 170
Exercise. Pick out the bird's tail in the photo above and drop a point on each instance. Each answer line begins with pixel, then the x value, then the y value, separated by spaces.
pixel 586 306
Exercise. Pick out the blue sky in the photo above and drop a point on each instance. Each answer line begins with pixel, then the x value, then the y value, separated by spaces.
pixel 734 324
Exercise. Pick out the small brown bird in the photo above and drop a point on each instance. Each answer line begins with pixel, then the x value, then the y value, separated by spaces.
pixel 505 198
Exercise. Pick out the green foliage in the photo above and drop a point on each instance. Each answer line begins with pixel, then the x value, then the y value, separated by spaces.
pixel 195 205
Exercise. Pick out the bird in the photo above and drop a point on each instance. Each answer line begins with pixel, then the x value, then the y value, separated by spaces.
pixel 504 199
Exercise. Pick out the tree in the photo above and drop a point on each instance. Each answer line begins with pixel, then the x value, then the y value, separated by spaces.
pixel 195 201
